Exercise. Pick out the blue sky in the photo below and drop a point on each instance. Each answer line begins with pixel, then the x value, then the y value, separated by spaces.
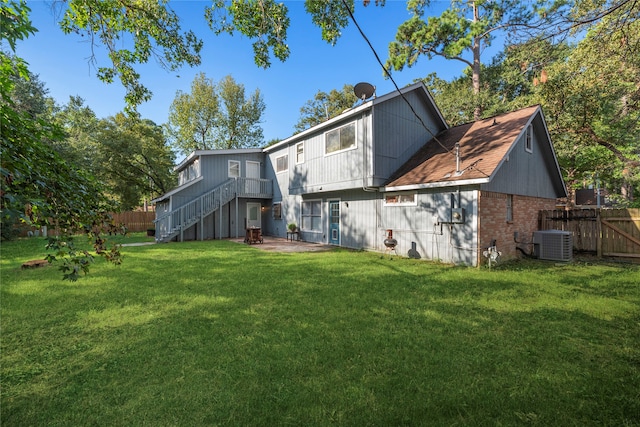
pixel 61 61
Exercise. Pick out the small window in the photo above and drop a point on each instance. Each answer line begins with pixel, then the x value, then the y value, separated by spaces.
pixel 282 163
pixel 528 139
pixel 312 215
pixel 401 199
pixel 234 169
pixel 509 208
pixel 300 153
pixel 189 173
pixel 277 210
pixel 340 139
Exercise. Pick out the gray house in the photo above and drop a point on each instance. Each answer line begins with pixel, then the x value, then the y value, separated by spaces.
pixel 390 165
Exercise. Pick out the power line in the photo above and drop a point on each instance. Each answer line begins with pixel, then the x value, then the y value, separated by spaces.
pixel 388 74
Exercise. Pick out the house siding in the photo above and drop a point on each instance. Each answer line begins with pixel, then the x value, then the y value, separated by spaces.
pixel 359 218
pixel 328 172
pixel 423 232
pixel 493 224
pixel 215 169
pixel 536 165
pixel 396 140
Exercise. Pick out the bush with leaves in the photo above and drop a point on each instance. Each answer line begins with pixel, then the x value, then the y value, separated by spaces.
pixel 39 187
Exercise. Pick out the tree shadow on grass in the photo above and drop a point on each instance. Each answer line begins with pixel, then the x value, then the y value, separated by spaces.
pixel 212 336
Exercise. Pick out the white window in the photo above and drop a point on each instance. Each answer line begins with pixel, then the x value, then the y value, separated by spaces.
pixel 234 169
pixel 400 199
pixel 277 210
pixel 312 215
pixel 300 153
pixel 189 173
pixel 340 139
pixel 528 139
pixel 509 208
pixel 282 163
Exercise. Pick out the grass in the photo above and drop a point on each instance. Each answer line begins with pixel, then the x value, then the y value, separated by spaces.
pixel 219 333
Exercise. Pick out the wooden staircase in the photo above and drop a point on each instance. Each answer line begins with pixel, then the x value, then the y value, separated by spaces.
pixel 178 220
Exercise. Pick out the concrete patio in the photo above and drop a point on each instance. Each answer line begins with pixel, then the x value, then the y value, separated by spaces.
pixel 278 244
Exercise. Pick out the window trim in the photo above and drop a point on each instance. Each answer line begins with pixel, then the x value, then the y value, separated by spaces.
pixel 528 139
pixel 303 215
pixel 509 208
pixel 342 150
pixel 280 157
pixel 298 161
pixel 387 203
pixel 229 162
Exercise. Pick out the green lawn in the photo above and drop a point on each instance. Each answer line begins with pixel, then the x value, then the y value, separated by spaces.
pixel 219 333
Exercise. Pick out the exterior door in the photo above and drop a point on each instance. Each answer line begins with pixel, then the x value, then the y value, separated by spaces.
pixel 334 222
pixel 254 219
pixel 252 171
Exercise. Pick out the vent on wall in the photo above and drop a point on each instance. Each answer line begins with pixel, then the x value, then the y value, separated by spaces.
pixel 554 245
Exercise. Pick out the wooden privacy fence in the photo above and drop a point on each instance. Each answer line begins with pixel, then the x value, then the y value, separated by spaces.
pixel 135 221
pixel 607 232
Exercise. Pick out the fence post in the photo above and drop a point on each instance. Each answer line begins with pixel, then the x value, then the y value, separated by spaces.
pixel 599 233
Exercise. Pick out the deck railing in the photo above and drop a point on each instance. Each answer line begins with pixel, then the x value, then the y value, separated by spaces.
pixel 256 188
pixel 179 219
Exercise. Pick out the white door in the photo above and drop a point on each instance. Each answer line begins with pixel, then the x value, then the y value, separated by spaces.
pixel 254 219
pixel 252 171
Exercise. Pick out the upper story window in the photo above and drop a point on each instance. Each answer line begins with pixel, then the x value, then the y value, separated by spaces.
pixel 282 163
pixel 300 152
pixel 340 139
pixel 234 169
pixel 189 173
pixel 528 139
pixel 400 199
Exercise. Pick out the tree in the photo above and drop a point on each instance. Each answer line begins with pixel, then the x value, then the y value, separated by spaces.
pixel 29 94
pixel 134 31
pixel 39 187
pixel 239 117
pixel 193 116
pixel 465 26
pixel 215 116
pixel 592 100
pixel 152 28
pixel 509 82
pixel 135 162
pixel 324 106
pixel 264 21
pixel 80 126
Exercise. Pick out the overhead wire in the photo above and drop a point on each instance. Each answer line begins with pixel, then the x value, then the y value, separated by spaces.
pixel 388 74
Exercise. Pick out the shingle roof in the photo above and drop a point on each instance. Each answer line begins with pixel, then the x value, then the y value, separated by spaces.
pixel 483 145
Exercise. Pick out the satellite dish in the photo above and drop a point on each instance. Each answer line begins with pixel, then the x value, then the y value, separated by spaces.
pixel 364 90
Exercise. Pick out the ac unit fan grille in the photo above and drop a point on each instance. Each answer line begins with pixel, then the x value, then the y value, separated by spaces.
pixel 554 245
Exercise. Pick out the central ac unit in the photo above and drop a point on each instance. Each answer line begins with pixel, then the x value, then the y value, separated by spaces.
pixel 554 245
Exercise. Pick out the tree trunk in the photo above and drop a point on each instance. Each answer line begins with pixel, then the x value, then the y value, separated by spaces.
pixel 477 111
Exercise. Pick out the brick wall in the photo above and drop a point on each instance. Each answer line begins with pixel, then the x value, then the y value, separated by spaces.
pixel 493 224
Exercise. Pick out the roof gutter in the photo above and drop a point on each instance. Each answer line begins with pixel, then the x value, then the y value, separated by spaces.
pixel 437 185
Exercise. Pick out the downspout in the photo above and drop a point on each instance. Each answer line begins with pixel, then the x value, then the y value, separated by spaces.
pixel 236 210
pixel 364 155
pixel 478 229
